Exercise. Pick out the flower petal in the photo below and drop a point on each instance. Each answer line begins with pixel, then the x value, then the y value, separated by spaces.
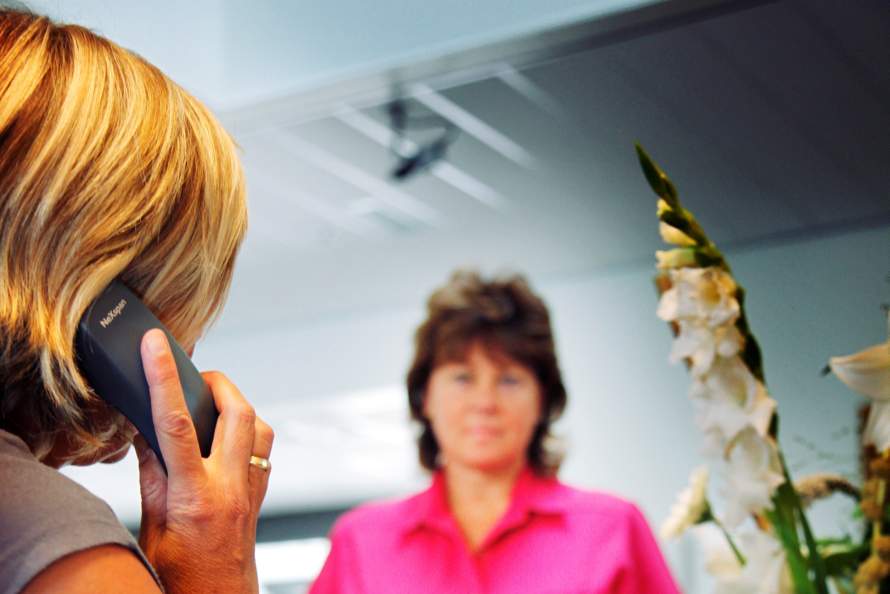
pixel 690 506
pixel 867 372
pixel 877 429
pixel 766 570
pixel 675 258
pixel 753 475
pixel 673 235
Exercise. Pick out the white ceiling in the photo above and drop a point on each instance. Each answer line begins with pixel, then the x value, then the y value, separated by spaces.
pixel 771 116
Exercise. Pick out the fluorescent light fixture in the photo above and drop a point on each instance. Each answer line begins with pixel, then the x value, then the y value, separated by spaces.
pixel 472 125
pixel 448 173
pixel 408 208
pixel 342 219
pixel 529 89
pixel 468 184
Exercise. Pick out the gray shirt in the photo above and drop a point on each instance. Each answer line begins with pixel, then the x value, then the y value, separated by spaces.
pixel 45 516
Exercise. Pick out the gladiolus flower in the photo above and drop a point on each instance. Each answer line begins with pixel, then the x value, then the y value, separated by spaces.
pixel 728 398
pixel 765 571
pixel 753 475
pixel 868 372
pixel 706 295
pixel 700 344
pixel 691 506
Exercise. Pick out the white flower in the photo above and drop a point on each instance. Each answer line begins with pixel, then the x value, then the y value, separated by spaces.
pixel 877 429
pixel 676 258
pixel 701 343
pixel 706 295
pixel 720 561
pixel 691 506
pixel 671 234
pixel 727 399
pixel 765 570
pixel 753 473
pixel 868 372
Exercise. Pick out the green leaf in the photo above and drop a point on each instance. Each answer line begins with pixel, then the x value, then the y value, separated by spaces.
pixel 669 189
pixel 657 179
pixel 787 536
pixel 791 502
pixel 753 357
pixel 708 256
pixel 845 562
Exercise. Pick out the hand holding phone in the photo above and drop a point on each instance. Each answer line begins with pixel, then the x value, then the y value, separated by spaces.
pixel 199 514
pixel 108 354
pixel 199 520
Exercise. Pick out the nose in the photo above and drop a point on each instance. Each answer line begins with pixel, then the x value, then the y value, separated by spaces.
pixel 485 395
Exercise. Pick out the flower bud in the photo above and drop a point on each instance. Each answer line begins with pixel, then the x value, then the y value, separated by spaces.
pixel 871 572
pixel 675 258
pixel 673 235
pixel 882 548
pixel 880 468
pixel 871 510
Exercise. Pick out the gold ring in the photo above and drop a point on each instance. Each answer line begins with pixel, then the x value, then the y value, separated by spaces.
pixel 261 463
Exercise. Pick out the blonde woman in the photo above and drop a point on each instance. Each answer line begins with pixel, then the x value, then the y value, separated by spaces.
pixel 109 170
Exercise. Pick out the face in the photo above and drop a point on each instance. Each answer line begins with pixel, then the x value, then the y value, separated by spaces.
pixel 483 410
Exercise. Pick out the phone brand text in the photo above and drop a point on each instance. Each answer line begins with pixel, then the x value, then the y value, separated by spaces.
pixel 113 313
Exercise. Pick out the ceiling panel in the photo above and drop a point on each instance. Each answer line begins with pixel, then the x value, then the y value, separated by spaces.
pixel 769 117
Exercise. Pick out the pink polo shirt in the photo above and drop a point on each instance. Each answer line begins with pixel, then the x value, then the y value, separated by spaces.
pixel 553 539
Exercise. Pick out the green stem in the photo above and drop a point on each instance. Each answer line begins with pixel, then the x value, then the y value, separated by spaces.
pixel 738 554
pixel 785 532
pixel 814 558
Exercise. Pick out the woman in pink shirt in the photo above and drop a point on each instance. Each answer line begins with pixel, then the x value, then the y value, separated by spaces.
pixel 485 386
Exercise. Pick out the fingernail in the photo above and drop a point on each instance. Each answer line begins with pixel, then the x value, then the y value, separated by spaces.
pixel 156 342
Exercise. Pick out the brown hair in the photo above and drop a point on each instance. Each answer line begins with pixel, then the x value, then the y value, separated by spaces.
pixel 107 169
pixel 507 317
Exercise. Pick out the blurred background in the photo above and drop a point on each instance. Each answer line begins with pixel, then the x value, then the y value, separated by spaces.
pixel 512 123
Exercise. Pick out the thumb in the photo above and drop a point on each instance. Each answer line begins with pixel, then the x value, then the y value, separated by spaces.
pixel 152 487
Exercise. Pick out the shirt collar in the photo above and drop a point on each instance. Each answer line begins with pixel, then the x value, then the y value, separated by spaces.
pixel 532 494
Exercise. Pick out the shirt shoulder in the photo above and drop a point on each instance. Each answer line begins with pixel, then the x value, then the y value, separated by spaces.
pixel 585 502
pixel 368 518
pixel 46 516
pixel 609 516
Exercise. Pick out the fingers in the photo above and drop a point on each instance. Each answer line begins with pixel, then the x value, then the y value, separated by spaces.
pixel 173 425
pixel 259 478
pixel 152 488
pixel 235 429
pixel 263 438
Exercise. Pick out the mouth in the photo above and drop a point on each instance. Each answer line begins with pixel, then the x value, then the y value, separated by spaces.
pixel 483 432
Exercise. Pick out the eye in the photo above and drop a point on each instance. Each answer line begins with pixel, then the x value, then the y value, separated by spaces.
pixel 461 377
pixel 509 379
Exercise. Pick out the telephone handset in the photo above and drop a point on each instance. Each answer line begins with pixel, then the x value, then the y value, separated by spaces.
pixel 108 343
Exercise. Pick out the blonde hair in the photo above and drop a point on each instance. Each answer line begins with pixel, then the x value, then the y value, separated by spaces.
pixel 107 169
